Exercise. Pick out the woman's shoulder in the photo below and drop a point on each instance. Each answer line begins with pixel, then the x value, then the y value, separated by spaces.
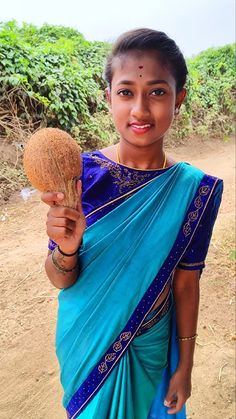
pixel 191 169
pixel 206 180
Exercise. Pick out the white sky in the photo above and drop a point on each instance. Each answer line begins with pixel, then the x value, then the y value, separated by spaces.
pixel 194 24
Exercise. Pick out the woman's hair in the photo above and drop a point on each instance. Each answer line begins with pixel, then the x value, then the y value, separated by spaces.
pixel 146 40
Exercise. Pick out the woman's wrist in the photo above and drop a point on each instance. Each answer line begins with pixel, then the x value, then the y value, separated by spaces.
pixel 185 368
pixel 186 350
pixel 69 251
pixel 63 253
pixel 64 264
pixel 61 267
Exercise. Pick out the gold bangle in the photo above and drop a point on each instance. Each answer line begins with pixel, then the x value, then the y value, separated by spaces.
pixel 187 338
pixel 60 268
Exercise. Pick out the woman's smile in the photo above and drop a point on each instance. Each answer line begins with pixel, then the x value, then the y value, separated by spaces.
pixel 140 129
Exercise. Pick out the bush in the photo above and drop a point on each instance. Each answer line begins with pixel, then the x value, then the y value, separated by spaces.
pixel 53 77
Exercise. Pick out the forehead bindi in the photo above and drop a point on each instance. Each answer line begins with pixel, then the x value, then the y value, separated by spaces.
pixel 140 68
pixel 134 67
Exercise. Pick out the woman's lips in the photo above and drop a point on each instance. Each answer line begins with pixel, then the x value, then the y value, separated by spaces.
pixel 140 129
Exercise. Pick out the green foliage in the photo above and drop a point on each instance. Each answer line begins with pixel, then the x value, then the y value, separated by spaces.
pixel 211 88
pixel 57 68
pixel 54 77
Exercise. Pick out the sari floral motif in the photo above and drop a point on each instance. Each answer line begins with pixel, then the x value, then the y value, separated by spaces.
pixel 112 356
pixel 193 215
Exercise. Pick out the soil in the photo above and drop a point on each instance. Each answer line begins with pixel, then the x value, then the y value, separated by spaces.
pixel 29 375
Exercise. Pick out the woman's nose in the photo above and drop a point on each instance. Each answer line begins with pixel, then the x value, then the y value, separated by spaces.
pixel 140 108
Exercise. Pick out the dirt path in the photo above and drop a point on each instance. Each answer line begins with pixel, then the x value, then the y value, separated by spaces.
pixel 29 379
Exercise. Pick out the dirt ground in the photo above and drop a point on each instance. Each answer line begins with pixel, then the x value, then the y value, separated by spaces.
pixel 29 376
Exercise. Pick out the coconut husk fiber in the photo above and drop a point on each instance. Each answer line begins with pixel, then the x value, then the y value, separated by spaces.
pixel 52 161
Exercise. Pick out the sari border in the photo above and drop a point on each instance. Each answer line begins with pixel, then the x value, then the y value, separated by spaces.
pixel 106 364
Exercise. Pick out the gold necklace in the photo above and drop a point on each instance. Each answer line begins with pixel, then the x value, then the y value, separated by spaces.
pixel 118 157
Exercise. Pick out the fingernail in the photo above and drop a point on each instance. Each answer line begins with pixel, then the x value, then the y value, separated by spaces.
pixel 166 403
pixel 60 195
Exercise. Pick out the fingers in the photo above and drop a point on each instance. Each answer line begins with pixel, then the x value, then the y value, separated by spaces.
pixel 170 400
pixel 58 233
pixel 52 198
pixel 176 405
pixel 61 222
pixel 64 212
pixel 173 401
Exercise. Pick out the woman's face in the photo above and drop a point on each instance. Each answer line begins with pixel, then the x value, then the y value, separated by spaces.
pixel 142 98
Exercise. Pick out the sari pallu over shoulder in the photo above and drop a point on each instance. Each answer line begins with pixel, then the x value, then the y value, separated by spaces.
pixel 127 259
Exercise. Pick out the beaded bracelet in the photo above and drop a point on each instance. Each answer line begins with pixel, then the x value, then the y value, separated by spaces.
pixel 187 338
pixel 60 268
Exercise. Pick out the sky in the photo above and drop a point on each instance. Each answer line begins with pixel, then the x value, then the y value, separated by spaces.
pixel 195 25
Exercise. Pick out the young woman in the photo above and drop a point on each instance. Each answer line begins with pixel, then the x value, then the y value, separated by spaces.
pixel 130 257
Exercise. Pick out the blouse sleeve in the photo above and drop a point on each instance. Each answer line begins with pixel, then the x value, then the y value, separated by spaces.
pixel 195 255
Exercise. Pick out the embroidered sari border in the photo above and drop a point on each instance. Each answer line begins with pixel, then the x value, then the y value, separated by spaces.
pixel 107 363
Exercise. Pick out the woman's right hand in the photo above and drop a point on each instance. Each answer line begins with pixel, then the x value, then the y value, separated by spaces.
pixel 65 225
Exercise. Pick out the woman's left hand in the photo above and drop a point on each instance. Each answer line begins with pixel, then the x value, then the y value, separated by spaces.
pixel 179 391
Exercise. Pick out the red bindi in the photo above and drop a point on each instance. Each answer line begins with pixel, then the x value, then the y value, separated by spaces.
pixel 140 66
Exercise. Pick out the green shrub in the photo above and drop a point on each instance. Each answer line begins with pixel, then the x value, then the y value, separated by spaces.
pixel 54 77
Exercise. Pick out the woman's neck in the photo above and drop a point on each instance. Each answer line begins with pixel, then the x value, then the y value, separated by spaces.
pixel 150 157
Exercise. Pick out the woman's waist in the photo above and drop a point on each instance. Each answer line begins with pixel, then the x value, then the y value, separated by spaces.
pixel 158 313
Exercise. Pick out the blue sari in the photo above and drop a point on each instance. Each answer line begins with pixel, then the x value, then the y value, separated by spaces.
pixel 116 353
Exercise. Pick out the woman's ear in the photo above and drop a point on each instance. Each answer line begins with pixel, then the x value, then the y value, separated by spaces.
pixel 108 96
pixel 180 98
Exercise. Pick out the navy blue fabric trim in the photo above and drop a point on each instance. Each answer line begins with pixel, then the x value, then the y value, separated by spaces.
pixel 100 372
pixel 51 244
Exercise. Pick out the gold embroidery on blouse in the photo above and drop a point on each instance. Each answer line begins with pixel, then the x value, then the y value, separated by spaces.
pixel 124 177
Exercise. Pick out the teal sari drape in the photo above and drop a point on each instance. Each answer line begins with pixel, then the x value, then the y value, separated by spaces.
pixel 121 255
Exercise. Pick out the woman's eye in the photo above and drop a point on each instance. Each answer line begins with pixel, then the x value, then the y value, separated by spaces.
pixel 158 92
pixel 124 92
